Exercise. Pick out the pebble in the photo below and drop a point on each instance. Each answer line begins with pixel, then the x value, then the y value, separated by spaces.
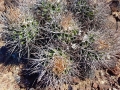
pixel 115 89
pixel 95 85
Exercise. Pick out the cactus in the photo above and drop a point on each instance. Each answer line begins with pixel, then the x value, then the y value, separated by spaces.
pixel 61 41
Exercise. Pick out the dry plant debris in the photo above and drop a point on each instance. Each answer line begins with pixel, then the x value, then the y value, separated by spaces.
pixel 60 65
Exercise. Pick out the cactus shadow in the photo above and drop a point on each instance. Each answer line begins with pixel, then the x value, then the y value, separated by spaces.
pixel 8 58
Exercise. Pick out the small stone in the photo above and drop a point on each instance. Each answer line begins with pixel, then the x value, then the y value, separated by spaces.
pixel 109 89
pixel 103 82
pixel 2 7
pixel 95 85
pixel 115 89
pixel 114 71
pixel 75 87
pixel 75 80
pixel 104 87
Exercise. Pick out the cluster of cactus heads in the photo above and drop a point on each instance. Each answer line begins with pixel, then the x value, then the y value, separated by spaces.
pixel 61 39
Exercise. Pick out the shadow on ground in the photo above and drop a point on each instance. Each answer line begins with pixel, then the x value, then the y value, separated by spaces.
pixel 8 58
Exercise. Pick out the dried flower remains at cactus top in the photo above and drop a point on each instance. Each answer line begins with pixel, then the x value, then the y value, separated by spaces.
pixel 13 15
pixel 60 64
pixel 68 23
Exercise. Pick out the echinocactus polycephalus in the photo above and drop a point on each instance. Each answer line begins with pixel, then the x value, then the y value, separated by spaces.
pixel 82 11
pixel 20 33
pixel 107 43
pixel 53 66
pixel 56 65
pixel 57 48
pixel 60 50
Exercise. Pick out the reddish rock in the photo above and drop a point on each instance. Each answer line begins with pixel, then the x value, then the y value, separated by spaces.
pixel 114 71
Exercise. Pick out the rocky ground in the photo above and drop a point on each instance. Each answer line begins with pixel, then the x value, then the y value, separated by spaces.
pixel 107 79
